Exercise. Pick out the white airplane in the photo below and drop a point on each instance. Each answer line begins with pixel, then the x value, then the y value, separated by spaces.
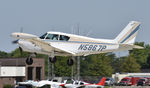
pixel 28 83
pixel 63 44
pixel 49 84
pixel 81 84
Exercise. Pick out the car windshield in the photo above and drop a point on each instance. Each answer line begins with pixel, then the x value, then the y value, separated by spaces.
pixel 124 80
pixel 141 79
pixel 107 79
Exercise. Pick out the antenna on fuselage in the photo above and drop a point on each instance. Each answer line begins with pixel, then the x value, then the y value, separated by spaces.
pixel 89 32
pixel 78 29
pixel 21 29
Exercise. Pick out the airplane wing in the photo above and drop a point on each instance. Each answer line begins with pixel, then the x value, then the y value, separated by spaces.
pixel 59 47
pixel 45 46
pixel 38 42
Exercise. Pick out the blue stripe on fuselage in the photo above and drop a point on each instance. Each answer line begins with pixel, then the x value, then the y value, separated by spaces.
pixel 79 42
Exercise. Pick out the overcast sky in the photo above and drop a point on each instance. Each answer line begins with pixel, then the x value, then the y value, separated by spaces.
pixel 101 18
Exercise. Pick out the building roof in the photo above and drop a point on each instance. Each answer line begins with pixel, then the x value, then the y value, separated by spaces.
pixel 12 62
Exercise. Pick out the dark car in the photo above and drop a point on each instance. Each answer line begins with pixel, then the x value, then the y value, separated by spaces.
pixel 142 82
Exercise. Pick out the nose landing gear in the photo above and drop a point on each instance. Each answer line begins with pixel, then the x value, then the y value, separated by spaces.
pixel 70 62
pixel 29 61
pixel 52 59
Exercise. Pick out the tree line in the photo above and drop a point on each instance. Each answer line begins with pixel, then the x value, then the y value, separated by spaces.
pixel 96 65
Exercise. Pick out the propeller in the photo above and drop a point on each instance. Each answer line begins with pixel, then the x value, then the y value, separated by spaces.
pixel 15 42
pixel 20 49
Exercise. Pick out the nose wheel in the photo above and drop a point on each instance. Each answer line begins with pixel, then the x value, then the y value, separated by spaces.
pixel 29 61
pixel 52 59
pixel 70 62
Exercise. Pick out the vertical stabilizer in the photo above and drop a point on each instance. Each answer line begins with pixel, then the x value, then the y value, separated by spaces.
pixel 102 82
pixel 128 34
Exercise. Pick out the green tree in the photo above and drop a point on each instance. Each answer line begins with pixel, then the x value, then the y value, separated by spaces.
pixel 17 53
pixel 61 67
pixel 130 65
pixel 141 55
pixel 3 54
pixel 97 65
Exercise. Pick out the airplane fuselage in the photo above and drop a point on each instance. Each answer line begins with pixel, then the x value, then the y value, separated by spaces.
pixel 76 47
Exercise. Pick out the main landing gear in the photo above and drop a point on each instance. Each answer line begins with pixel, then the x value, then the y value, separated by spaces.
pixel 70 61
pixel 29 60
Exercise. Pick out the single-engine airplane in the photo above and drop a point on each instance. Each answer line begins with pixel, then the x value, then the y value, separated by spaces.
pixel 81 84
pixel 63 44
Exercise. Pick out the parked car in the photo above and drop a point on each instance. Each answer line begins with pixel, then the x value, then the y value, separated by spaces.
pixel 128 81
pixel 125 81
pixel 109 81
pixel 142 82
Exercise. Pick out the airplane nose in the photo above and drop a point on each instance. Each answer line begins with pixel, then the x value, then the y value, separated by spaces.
pixel 15 35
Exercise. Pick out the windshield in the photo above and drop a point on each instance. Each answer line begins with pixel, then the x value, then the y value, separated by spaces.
pixel 43 36
pixel 141 79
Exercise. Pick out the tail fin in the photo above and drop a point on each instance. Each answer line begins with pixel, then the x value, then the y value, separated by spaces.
pixel 102 82
pixel 128 34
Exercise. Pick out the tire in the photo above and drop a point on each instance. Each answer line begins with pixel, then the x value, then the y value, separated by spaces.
pixel 52 60
pixel 29 61
pixel 70 62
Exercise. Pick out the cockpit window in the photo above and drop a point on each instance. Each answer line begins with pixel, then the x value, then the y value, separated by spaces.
pixel 64 38
pixel 55 37
pixel 52 36
pixel 43 36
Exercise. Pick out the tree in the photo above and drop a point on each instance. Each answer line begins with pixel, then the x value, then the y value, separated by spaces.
pixel 61 68
pixel 130 65
pixel 3 54
pixel 97 65
pixel 17 53
pixel 141 55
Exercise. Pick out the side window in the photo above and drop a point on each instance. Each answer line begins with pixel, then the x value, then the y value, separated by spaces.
pixel 49 36
pixel 81 83
pixel 52 36
pixel 64 38
pixel 55 37
pixel 76 83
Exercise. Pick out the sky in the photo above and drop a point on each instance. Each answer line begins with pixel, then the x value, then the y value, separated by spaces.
pixel 96 18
